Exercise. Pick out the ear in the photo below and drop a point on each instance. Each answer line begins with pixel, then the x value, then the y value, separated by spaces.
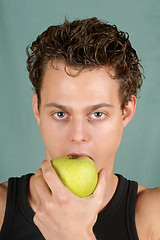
pixel 35 108
pixel 129 110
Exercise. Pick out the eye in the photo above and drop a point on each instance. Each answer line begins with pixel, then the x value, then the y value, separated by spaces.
pixel 60 115
pixel 98 115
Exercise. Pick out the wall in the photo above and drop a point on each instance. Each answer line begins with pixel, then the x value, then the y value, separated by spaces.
pixel 21 21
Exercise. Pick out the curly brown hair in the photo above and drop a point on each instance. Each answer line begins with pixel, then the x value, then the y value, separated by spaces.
pixel 87 43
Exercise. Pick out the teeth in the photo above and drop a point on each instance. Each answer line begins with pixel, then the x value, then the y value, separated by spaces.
pixel 73 157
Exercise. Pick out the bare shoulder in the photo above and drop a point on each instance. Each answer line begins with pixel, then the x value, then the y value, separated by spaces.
pixel 3 199
pixel 148 213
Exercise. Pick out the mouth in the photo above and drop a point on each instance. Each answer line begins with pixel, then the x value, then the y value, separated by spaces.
pixel 76 155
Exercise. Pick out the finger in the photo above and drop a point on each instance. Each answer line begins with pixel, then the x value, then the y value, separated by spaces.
pixel 52 179
pixel 41 186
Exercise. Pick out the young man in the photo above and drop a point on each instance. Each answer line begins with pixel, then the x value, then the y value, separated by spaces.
pixel 86 77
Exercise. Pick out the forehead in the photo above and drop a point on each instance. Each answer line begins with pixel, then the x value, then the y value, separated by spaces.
pixel 68 84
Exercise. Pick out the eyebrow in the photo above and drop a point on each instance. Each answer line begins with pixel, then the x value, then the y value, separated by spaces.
pixel 65 108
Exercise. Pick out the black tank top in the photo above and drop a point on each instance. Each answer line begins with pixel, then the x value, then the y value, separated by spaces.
pixel 115 222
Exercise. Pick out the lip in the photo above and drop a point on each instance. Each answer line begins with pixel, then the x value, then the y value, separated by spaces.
pixel 80 155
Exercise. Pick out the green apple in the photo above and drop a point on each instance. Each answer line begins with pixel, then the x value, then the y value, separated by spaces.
pixel 78 173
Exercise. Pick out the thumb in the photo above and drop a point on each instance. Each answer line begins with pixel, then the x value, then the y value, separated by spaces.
pixel 100 190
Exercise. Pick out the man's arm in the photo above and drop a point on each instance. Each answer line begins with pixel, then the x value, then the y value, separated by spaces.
pixel 148 214
pixel 3 199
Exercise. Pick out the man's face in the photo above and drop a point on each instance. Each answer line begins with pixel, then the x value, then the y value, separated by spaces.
pixel 80 115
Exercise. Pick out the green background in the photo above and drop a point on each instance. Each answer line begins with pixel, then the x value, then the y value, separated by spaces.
pixel 21 147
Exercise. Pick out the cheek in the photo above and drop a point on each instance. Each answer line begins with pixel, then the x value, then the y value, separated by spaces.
pixel 47 131
pixel 52 135
pixel 116 138
pixel 109 137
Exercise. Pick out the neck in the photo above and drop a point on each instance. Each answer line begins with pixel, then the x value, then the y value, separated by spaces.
pixel 112 183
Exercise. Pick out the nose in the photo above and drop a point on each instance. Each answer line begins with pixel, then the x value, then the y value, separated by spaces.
pixel 79 131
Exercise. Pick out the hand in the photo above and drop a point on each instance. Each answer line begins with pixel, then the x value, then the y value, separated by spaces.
pixel 61 215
